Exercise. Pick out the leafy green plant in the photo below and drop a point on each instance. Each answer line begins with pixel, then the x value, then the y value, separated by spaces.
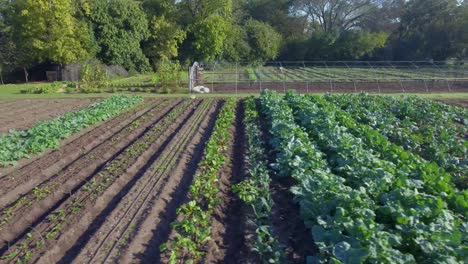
pixel 168 76
pixel 401 203
pixel 255 190
pixel 342 219
pixel 49 89
pixel 44 135
pixel 94 76
pixel 193 230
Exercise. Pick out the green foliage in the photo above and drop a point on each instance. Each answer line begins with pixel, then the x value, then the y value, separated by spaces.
pixel 428 129
pixel 168 75
pixel 236 46
pixel 434 29
pixel 120 26
pixel 199 9
pixel 166 34
pixel 264 41
pixel 255 190
pixel 354 45
pixel 48 30
pixel 209 36
pixel 193 229
pixel 339 217
pixel 350 45
pixel 401 195
pixel 165 38
pixel 369 201
pixel 7 46
pixel 44 135
pixel 94 75
pixel 50 89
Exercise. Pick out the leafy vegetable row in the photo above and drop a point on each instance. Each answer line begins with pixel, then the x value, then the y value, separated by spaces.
pixel 255 190
pixel 433 179
pixel 432 130
pixel 193 230
pixel 59 218
pixel 342 219
pixel 421 223
pixel 44 135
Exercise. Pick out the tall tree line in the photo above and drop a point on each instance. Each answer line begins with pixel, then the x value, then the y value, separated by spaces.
pixel 139 34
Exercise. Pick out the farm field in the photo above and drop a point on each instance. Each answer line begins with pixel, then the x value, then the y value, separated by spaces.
pixel 23 114
pixel 342 73
pixel 337 77
pixel 273 179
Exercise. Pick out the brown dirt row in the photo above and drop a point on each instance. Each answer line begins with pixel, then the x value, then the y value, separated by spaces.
pixel 82 197
pixel 23 114
pixel 23 179
pixel 144 245
pixel 117 228
pixel 228 228
pixel 69 243
pixel 54 187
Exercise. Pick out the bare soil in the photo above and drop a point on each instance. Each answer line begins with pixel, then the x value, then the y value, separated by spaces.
pixel 457 102
pixel 131 214
pixel 23 114
pixel 110 193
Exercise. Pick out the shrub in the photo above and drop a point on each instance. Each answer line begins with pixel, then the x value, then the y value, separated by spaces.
pixel 53 88
pixel 94 75
pixel 168 76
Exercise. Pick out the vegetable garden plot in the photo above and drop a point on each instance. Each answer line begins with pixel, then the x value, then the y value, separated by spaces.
pixel 23 114
pixel 372 179
pixel 364 202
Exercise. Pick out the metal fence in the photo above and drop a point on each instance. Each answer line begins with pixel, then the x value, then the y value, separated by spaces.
pixel 332 76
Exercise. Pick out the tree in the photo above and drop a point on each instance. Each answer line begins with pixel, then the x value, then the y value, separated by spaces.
pixel 47 30
pixel 6 43
pixel 199 9
pixel 336 15
pixel 354 45
pixel 236 46
pixel 278 15
pixel 120 27
pixel 264 41
pixel 431 29
pixel 207 23
pixel 166 34
pixel 165 38
pixel 209 35
pixel 386 16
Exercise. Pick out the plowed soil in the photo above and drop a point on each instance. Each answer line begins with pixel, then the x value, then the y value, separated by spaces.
pixel 110 193
pixel 23 114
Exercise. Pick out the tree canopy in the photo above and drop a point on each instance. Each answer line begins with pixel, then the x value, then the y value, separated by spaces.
pixel 139 34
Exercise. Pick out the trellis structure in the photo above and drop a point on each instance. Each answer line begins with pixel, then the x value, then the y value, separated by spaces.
pixel 333 76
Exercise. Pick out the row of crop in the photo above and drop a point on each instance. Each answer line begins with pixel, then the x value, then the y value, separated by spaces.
pixel 342 219
pixel 42 191
pixel 434 180
pixel 124 231
pixel 432 130
pixel 193 230
pixel 34 242
pixel 20 144
pixel 255 190
pixel 421 225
